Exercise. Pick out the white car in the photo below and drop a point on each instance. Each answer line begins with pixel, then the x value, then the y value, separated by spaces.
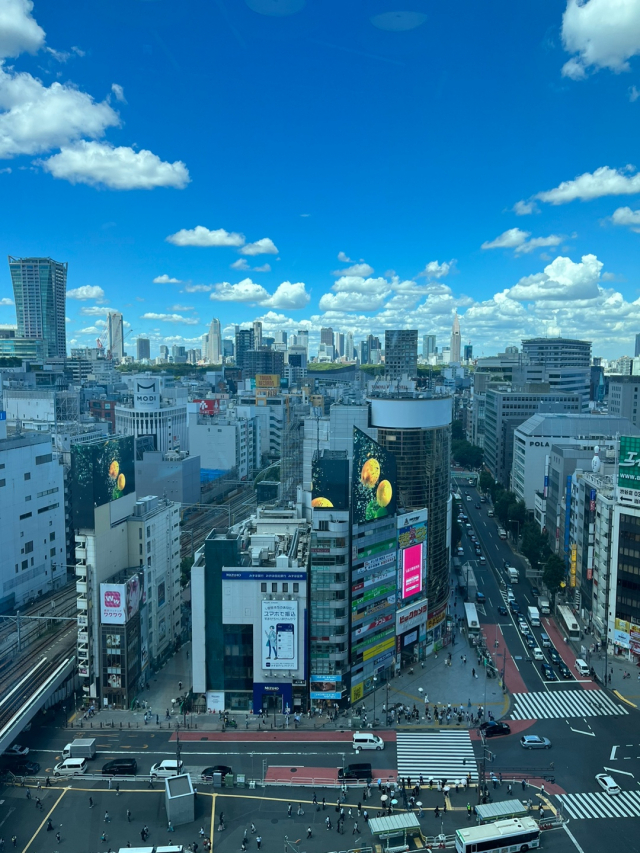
pixel 608 783
pixel 537 654
pixel 468 497
pixel 166 768
pixel 16 749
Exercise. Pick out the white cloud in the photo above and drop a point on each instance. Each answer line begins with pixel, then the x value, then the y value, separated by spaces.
pixel 539 243
pixel 603 182
pixel 171 318
pixel 240 264
pixel 101 164
pixel 94 310
pixel 201 236
pixel 345 259
pixel 562 280
pixel 6 301
pixel 36 118
pixel 165 279
pixel 344 301
pixel 634 94
pixel 435 270
pixel 361 269
pixel 18 30
pixel 264 246
pixel 288 296
pixel 118 92
pixel 524 208
pixel 602 34
pixel 358 284
pixel 198 288
pixel 91 330
pixel 263 268
pixel 519 241
pixel 182 308
pixel 628 217
pixel 87 291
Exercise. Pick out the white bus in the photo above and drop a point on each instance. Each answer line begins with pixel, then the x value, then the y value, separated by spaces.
pixel 503 836
pixel 568 622
pixel 473 623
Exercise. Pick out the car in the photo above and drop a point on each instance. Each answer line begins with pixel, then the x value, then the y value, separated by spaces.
pixel 482 560
pixel 16 749
pixel 554 657
pixel 223 769
pixel 535 742
pixel 468 497
pixel 165 769
pixel 535 592
pixel 480 597
pixel 478 550
pixel 548 672
pixel 495 729
pixel 483 500
pixel 490 513
pixel 468 526
pixel 608 783
pixel 460 551
pixel 522 625
pixel 120 767
pixel 502 610
pixel 531 642
pixel 515 607
pixel 21 768
pixel 361 772
pixel 564 670
pixel 537 653
pixel 477 506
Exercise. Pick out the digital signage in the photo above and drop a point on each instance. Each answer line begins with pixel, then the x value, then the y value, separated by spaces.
pixel 330 483
pixel 326 686
pixel 279 635
pixel 374 482
pixel 100 473
pixel 412 570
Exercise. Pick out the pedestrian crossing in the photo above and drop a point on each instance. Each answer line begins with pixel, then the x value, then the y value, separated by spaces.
pixel 601 804
pixel 559 704
pixel 438 755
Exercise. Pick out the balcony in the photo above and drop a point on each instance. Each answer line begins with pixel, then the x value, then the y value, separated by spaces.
pixel 81 587
pixel 81 570
pixel 83 636
pixel 82 603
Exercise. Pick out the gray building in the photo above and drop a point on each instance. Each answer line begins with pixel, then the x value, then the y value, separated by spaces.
pixel 143 349
pixel 637 349
pixel 428 345
pixel 401 353
pixel 173 475
pixel 40 287
pixel 562 362
pixel 623 397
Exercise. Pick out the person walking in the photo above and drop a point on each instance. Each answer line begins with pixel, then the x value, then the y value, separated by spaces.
pixel 328 822
pixel 323 803
pixel 355 827
pixel 170 827
pixel 315 799
pixel 107 819
pixel 128 815
pixel 14 840
pixel 259 842
pixel 308 832
pixel 473 672
pixel 468 811
pixel 289 810
pixel 253 829
pixel 243 846
pixel 117 789
pixel 49 826
pixel 58 837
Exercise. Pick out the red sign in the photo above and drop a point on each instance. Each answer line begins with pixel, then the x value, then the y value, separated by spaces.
pixel 208 407
pixel 412 570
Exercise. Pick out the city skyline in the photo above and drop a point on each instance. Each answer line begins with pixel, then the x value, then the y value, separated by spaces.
pixel 538 241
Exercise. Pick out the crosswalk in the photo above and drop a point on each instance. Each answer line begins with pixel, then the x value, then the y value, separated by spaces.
pixel 438 755
pixel 600 804
pixel 560 704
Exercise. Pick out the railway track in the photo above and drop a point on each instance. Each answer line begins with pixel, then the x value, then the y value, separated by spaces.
pixel 11 671
pixel 22 691
pixel 196 532
pixel 64 604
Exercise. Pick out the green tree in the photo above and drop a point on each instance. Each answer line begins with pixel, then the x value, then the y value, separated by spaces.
pixel 486 481
pixel 186 565
pixel 517 510
pixel 554 573
pixel 534 546
pixel 502 505
pixel 457 432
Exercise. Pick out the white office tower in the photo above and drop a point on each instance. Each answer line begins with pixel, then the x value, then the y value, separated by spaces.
pixel 214 343
pixel 115 330
pixel 348 346
pixel 302 339
pixel 146 414
pixel 257 334
pixel 454 357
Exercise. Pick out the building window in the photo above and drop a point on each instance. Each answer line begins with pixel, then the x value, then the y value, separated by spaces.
pixel 42 460
pixel 296 587
pixel 52 536
pixel 52 552
pixel 28 547
pixel 274 587
pixel 263 587
pixel 25 515
pixel 27 475
pixel 285 587
pixel 25 564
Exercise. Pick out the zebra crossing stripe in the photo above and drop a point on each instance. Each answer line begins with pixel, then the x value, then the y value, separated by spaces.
pixel 601 805
pixel 564 703
pixel 437 755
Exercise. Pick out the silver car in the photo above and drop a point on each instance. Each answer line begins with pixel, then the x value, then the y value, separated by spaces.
pixel 535 742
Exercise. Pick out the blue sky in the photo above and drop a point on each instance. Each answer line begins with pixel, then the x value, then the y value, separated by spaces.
pixel 477 156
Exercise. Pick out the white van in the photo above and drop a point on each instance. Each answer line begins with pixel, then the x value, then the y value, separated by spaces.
pixel 71 767
pixel 166 768
pixel 582 667
pixel 367 740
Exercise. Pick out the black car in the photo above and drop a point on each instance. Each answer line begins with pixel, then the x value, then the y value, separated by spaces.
pixel 494 729
pixel 531 641
pixel 478 550
pixel 120 767
pixel 21 768
pixel 502 610
pixel 223 769
pixel 535 592
pixel 362 772
pixel 564 670
pixel 515 607
pixel 554 657
pixel 548 672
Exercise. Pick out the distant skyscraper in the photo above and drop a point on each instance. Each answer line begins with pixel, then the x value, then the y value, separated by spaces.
pixel 326 336
pixel 214 343
pixel 303 339
pixel 164 352
pixel 143 348
pixel 428 345
pixel 257 334
pixel 280 338
pixel 455 340
pixel 401 353
pixel 348 345
pixel 39 287
pixel 244 343
pixel 637 345
pixel 115 327
pixel 468 352
pixel 338 344
pixel 228 348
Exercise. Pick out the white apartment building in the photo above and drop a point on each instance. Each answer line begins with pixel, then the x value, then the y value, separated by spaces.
pixel 224 443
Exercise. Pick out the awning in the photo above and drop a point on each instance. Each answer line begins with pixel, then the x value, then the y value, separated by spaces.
pixel 394 824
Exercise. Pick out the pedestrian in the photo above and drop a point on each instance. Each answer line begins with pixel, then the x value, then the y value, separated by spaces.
pixel 542 788
pixel 355 827
pixel 323 803
pixel 117 789
pixel 38 803
pixel 28 794
pixel 128 815
pixel 315 799
pixel 179 685
pixel 243 846
pixel 473 672
pixel 47 783
pixel 170 827
pixel 58 837
pixel 289 810
pixel 328 822
pixel 468 811
pixel 14 840
pixel 524 784
pixel 436 812
pixel 142 835
pixel 509 791
pixel 308 832
pixel 107 819
pixel 146 831
pixel 195 847
pixel 49 826
pixel 259 841
pixel 253 829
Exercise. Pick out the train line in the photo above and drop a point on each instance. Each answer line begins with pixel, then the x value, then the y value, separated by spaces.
pixel 13 671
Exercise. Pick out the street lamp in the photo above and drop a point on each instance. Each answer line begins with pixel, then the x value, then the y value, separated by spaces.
pixel 375 681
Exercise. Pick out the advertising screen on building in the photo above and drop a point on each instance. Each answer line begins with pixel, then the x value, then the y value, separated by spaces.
pixel 330 483
pixel 412 570
pixel 208 407
pixel 113 603
pixel 629 465
pixel 279 634
pixel 374 486
pixel 100 473
pixel 135 594
pixel 326 686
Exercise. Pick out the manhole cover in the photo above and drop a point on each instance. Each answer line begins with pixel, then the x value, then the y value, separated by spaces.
pixel 294 769
pixel 274 820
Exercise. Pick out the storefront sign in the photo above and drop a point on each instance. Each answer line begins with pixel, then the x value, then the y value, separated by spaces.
pixel 412 616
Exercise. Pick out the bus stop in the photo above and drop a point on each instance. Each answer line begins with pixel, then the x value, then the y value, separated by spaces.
pixel 396 832
pixel 501 811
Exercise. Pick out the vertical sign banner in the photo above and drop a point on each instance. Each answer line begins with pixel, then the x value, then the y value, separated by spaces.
pixel 574 565
pixel 113 597
pixel 629 465
pixel 412 570
pixel 279 634
pixel 374 480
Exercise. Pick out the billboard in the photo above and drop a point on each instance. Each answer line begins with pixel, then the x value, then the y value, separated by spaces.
pixel 412 570
pixel 279 634
pixel 100 473
pixel 208 407
pixel 146 393
pixel 113 603
pixel 135 594
pixel 629 469
pixel 330 483
pixel 374 485
pixel 267 380
pixel 326 686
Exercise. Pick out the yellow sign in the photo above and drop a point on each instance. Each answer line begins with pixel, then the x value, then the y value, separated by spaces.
pixel 381 647
pixel 623 625
pixel 435 620
pixel 574 565
pixel 357 693
pixel 267 380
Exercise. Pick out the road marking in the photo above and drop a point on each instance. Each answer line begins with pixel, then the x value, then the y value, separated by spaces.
pixel 571 836
pixel 580 732
pixel 44 820
pixel 624 772
pixel 215 751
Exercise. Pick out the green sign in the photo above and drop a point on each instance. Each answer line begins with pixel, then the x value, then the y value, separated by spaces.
pixel 629 466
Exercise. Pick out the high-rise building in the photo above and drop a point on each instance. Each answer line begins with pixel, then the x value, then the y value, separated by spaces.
pixel 164 352
pixel 348 346
pixel 468 352
pixel 401 353
pixel 257 334
pixel 244 342
pixel 143 348
pixel 115 329
pixel 214 343
pixel 637 350
pixel 338 344
pixel 262 360
pixel 564 363
pixel 428 345
pixel 326 336
pixel 455 340
pixel 303 339
pixel 228 348
pixel 280 338
pixel 39 287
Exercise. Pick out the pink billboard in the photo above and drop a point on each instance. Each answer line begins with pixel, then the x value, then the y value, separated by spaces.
pixel 412 570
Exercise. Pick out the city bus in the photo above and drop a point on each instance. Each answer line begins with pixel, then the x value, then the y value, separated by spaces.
pixel 473 623
pixel 567 622
pixel 503 836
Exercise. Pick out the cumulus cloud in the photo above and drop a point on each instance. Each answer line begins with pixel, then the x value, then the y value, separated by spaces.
pixel 198 288
pixel 201 236
pixel 165 279
pixel 603 182
pixel 19 32
pixel 264 246
pixel 171 318
pixel 118 92
pixel 353 301
pixel 87 291
pixel 6 301
pixel 634 94
pixel 360 269
pixel 359 284
pixel 263 268
pixel 102 164
pixel 243 265
pixel 182 308
pixel 435 270
pixel 343 258
pixel 628 217
pixel 520 241
pixel 601 34
pixel 94 310
pixel 525 208
pixel 288 295
pixel 562 279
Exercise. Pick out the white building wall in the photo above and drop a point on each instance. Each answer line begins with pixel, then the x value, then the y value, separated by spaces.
pixel 168 425
pixel 198 622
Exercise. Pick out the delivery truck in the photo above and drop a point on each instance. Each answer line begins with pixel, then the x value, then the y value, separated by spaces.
pixel 80 748
pixel 534 617
pixel 513 574
pixel 543 605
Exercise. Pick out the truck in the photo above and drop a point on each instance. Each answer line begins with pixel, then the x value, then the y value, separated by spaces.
pixel 513 574
pixel 543 605
pixel 80 748
pixel 502 533
pixel 534 616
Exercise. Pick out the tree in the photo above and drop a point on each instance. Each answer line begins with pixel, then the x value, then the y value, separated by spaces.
pixel 502 505
pixel 554 573
pixel 457 432
pixel 517 510
pixel 534 546
pixel 186 565
pixel 486 481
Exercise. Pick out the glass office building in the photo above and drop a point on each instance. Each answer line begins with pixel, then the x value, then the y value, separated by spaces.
pixel 40 287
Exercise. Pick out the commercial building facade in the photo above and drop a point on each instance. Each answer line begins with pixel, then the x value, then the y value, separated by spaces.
pixel 40 287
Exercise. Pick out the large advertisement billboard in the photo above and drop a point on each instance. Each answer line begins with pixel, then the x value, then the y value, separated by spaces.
pixel 146 393
pixel 412 545
pixel 629 470
pixel 113 603
pixel 374 489
pixel 326 686
pixel 330 483
pixel 279 634
pixel 100 473
pixel 267 380
pixel 208 407
pixel 412 570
